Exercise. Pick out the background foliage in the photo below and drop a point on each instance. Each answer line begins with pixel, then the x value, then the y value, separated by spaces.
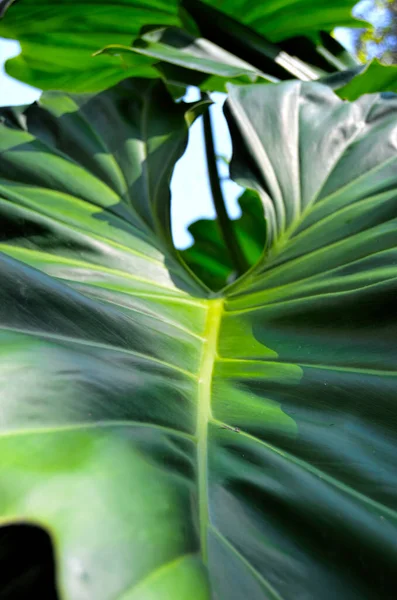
pixel 380 40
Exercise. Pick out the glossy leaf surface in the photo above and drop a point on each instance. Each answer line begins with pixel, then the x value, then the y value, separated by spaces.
pixel 176 444
pixel 58 38
pixel 91 349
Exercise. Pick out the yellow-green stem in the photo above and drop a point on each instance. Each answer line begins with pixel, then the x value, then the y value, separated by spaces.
pixel 214 315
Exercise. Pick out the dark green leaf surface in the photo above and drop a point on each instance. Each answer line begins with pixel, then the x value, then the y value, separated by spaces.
pixel 58 38
pixel 97 340
pixel 209 258
pixel 120 372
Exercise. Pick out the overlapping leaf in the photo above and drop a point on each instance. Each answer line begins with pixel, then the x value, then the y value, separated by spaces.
pixel 303 55
pixel 185 59
pixel 180 445
pixel 59 38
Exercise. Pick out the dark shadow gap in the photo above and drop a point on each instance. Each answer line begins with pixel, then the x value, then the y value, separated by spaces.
pixel 27 565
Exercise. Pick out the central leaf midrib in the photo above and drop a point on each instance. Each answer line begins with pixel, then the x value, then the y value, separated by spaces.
pixel 211 333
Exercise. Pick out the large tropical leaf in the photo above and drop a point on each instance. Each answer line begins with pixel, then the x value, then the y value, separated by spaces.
pixel 58 38
pixel 96 341
pixel 180 445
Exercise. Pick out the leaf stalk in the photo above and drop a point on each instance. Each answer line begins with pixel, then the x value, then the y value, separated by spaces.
pixel 229 237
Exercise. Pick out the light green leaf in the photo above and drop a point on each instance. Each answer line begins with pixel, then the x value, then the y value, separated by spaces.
pixel 278 20
pixel 374 77
pixel 58 38
pixel 177 444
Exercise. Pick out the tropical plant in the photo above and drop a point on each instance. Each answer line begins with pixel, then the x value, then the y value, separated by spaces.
pixel 217 423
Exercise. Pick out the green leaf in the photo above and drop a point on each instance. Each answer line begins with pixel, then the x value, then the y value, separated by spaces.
pixel 208 256
pixel 180 53
pixel 177 444
pixel 85 374
pixel 302 57
pixel 278 20
pixel 213 66
pixel 374 77
pixel 58 38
